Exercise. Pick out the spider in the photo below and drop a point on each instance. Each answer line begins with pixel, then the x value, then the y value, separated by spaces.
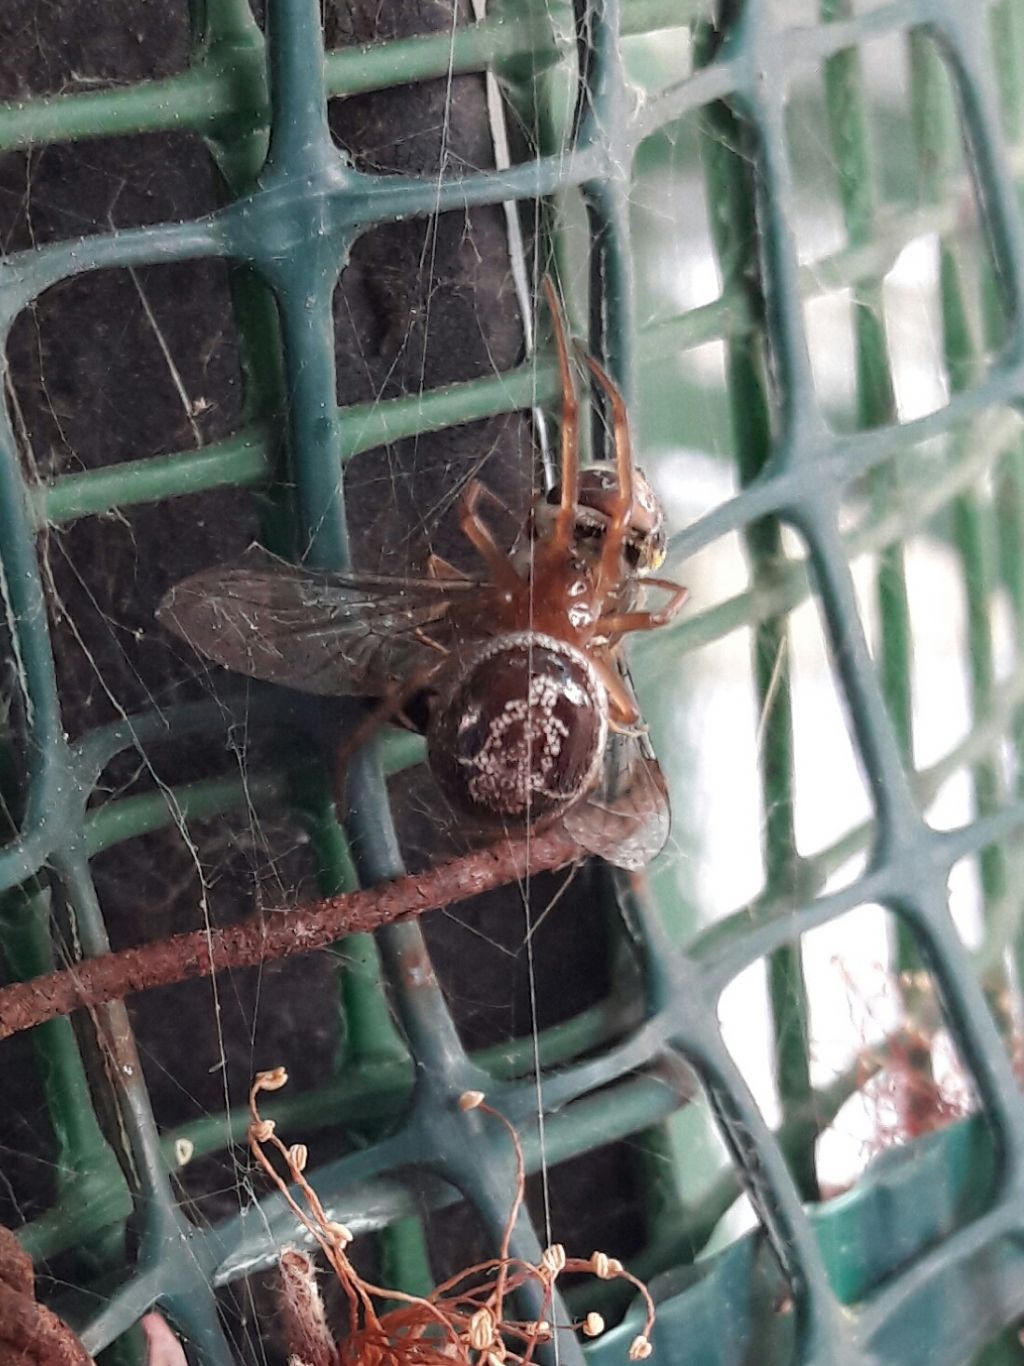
pixel 516 676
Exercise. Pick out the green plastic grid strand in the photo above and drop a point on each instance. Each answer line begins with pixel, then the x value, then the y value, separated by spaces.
pixel 924 1260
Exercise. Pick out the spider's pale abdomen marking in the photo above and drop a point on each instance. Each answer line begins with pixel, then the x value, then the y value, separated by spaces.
pixel 520 729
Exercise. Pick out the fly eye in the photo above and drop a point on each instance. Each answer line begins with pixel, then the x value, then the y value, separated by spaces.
pixel 657 550
pixel 633 553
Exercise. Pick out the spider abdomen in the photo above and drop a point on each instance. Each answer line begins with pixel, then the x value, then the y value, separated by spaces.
pixel 519 732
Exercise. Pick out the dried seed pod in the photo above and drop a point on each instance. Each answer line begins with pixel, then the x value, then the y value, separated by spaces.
pixel 593 1325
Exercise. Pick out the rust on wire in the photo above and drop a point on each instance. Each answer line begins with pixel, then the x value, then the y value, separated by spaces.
pixel 279 934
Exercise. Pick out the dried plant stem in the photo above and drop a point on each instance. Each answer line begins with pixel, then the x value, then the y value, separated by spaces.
pixel 278 934
pixel 462 1321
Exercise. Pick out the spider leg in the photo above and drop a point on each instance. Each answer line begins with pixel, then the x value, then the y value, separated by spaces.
pixel 432 644
pixel 618 524
pixel 387 707
pixel 647 621
pixel 477 532
pixel 569 427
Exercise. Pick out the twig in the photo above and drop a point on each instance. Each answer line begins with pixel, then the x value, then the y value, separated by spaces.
pixel 278 934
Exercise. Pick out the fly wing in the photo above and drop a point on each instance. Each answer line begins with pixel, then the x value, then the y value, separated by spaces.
pixel 332 634
pixel 626 817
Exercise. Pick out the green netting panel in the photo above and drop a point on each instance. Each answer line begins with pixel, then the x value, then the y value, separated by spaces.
pixel 921 1260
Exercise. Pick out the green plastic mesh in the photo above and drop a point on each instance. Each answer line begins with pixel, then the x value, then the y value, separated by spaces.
pixel 921 1261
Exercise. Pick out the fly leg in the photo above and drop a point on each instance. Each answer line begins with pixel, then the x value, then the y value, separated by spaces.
pixel 391 705
pixel 440 568
pixel 623 712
